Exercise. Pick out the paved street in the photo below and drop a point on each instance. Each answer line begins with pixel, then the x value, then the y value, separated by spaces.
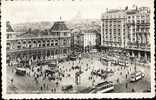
pixel 27 84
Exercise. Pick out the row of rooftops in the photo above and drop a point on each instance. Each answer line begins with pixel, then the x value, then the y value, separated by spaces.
pixel 122 13
pixel 58 26
pixel 134 9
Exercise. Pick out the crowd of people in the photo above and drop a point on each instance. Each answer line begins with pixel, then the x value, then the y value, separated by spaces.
pixel 73 72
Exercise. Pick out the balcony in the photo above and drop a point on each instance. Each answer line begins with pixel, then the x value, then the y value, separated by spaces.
pixel 141 46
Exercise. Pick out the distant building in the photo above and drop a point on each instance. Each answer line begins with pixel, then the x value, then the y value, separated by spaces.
pixel 29 47
pixel 76 40
pixel 127 29
pixel 88 40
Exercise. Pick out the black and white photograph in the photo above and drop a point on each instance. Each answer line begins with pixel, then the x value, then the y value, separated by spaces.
pixel 91 48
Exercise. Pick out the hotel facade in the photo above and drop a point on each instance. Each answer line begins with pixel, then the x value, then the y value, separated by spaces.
pixel 127 29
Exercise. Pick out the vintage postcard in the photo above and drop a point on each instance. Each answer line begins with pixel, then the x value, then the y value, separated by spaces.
pixel 77 49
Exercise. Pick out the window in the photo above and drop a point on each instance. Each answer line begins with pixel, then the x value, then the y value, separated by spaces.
pixel 29 44
pixel 52 52
pixel 64 42
pixel 24 44
pixel 48 43
pixel 39 43
pixel 57 52
pixel 58 33
pixel 34 42
pixel 19 45
pixel 65 51
pixel 7 36
pixel 52 42
pixel 43 44
pixel 56 42
pixel 65 33
pixel 8 45
pixel 133 17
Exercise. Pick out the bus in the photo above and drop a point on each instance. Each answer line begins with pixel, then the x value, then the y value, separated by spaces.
pixel 136 76
pixel 104 87
pixel 20 71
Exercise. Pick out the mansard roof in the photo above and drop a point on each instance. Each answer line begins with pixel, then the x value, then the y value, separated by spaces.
pixel 59 26
pixel 9 27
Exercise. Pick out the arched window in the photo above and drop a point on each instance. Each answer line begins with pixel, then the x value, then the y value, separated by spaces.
pixel 52 52
pixel 52 42
pixel 24 44
pixel 34 43
pixel 39 43
pixel 64 42
pixel 29 43
pixel 18 45
pixel 8 46
pixel 48 53
pixel 65 51
pixel 48 43
pixel 43 43
pixel 56 42
pixel 57 52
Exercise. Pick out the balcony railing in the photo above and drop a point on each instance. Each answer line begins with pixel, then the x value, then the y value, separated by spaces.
pixel 141 46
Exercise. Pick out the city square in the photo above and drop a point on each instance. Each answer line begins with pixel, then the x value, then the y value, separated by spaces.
pixel 110 53
pixel 88 63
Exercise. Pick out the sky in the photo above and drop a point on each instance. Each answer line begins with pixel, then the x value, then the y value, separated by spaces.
pixel 39 10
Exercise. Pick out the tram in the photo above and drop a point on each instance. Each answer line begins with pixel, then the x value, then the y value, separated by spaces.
pixel 104 87
pixel 136 76
pixel 20 71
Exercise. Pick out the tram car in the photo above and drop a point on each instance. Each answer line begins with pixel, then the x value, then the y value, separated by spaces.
pixel 136 76
pixel 20 71
pixel 104 87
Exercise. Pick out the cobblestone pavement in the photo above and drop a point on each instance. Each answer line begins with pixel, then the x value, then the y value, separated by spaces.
pixel 88 63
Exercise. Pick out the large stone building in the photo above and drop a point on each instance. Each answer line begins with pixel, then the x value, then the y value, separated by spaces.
pixel 127 29
pixel 53 44
pixel 88 40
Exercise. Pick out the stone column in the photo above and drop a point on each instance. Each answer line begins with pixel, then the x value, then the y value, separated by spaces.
pixel 133 54
pixel 145 55
pixel 139 55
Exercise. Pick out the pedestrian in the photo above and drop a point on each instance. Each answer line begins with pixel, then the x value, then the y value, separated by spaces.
pixel 47 86
pixel 44 85
pixel 133 90
pixel 12 80
pixel 118 80
pixel 41 88
pixel 126 85
pixel 52 90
